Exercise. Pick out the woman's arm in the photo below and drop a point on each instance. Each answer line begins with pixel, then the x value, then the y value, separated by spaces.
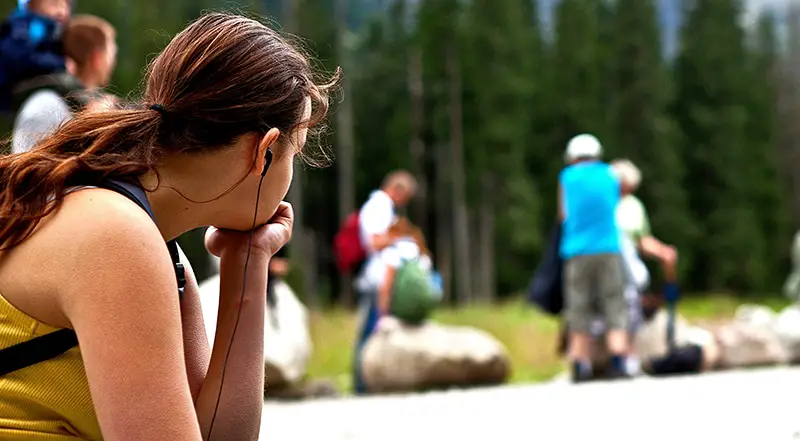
pixel 122 301
pixel 123 304
pixel 197 353
pixel 241 394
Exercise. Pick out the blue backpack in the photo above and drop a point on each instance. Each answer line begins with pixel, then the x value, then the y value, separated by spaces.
pixel 30 46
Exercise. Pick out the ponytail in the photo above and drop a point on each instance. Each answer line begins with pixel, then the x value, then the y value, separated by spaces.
pixel 88 149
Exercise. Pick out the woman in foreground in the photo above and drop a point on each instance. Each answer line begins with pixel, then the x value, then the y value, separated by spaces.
pixel 226 109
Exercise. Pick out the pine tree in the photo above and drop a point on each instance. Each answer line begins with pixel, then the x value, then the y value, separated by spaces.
pixel 712 82
pixel 576 79
pixel 769 184
pixel 500 84
pixel 642 130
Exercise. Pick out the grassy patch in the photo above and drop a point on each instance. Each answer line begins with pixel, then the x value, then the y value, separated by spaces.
pixel 529 335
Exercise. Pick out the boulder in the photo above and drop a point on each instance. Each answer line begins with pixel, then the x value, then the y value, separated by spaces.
pixel 749 344
pixel 287 341
pixel 651 339
pixel 787 326
pixel 752 338
pixel 402 358
pixel 755 315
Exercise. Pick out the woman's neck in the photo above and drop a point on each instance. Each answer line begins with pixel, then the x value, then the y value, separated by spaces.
pixel 88 80
pixel 175 214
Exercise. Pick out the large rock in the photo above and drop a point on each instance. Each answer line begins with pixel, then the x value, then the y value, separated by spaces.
pixel 750 339
pixel 787 326
pixel 651 339
pixel 287 342
pixel 748 345
pixel 755 315
pixel 400 358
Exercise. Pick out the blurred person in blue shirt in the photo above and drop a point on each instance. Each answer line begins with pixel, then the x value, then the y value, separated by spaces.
pixel 594 278
pixel 30 44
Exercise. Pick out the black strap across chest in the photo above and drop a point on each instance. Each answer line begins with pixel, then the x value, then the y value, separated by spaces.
pixel 52 345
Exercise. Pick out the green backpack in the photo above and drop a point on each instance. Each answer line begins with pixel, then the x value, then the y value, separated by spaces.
pixel 413 294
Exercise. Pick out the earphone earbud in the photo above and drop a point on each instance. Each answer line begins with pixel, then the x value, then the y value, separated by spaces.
pixel 267 161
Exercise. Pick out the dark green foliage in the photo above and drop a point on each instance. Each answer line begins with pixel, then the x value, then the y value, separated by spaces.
pixel 641 128
pixel 703 128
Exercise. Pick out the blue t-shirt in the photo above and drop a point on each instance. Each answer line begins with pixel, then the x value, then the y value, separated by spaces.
pixel 590 193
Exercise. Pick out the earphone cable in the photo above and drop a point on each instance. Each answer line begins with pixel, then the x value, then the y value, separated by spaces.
pixel 239 312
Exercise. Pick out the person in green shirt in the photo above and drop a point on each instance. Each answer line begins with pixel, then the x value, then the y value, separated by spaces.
pixel 633 220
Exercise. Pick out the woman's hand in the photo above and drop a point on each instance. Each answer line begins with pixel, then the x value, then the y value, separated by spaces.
pixel 267 239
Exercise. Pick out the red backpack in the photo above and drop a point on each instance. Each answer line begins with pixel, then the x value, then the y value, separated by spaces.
pixel 347 246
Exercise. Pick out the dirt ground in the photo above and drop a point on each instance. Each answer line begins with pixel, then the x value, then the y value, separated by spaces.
pixel 756 405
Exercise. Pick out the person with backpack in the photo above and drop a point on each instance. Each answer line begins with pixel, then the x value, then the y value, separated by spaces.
pixel 101 328
pixel 363 232
pixel 401 283
pixel 379 212
pixel 43 103
pixel 30 44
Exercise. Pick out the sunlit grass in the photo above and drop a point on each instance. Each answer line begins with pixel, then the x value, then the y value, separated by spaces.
pixel 529 336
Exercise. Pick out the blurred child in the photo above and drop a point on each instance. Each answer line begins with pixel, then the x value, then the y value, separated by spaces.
pixel 30 43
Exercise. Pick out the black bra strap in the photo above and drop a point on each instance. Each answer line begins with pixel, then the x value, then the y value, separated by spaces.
pixel 52 345
pixel 36 350
pixel 136 194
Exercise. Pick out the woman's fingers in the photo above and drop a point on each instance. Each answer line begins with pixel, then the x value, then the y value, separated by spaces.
pixel 268 238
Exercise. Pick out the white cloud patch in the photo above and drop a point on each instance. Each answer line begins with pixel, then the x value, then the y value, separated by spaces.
pixel 753 9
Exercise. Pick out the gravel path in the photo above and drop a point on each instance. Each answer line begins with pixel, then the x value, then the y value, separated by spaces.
pixel 759 405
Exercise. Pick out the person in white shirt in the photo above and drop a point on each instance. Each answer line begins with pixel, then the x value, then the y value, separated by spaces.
pixel 91 43
pixel 633 220
pixel 378 213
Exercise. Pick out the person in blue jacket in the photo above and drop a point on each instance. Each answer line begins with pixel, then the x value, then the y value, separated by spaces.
pixel 30 44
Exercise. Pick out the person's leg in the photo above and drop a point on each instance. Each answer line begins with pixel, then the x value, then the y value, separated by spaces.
pixel 579 316
pixel 611 283
pixel 634 301
pixel 369 322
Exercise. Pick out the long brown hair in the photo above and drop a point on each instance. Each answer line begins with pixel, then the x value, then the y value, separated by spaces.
pixel 222 77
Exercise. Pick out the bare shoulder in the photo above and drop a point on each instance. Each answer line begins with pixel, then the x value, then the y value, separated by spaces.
pixel 104 237
pixel 122 303
pixel 95 239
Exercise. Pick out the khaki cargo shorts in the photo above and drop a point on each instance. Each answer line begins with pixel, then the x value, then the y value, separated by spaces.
pixel 595 285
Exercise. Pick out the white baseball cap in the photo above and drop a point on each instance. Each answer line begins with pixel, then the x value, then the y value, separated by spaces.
pixel 583 146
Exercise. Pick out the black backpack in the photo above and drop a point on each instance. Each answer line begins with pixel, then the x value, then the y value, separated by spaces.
pixel 56 343
pixel 545 289
pixel 64 84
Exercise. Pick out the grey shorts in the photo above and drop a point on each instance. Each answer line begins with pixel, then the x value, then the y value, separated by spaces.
pixel 595 284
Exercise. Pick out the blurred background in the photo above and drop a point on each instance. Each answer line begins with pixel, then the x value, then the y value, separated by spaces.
pixel 478 99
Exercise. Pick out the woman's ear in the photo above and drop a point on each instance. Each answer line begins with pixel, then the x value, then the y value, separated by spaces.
pixel 264 144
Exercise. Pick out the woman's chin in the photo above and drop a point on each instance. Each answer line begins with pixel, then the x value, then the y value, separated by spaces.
pixel 243 226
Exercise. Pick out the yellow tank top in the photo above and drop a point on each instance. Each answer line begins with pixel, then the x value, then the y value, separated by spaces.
pixel 49 401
